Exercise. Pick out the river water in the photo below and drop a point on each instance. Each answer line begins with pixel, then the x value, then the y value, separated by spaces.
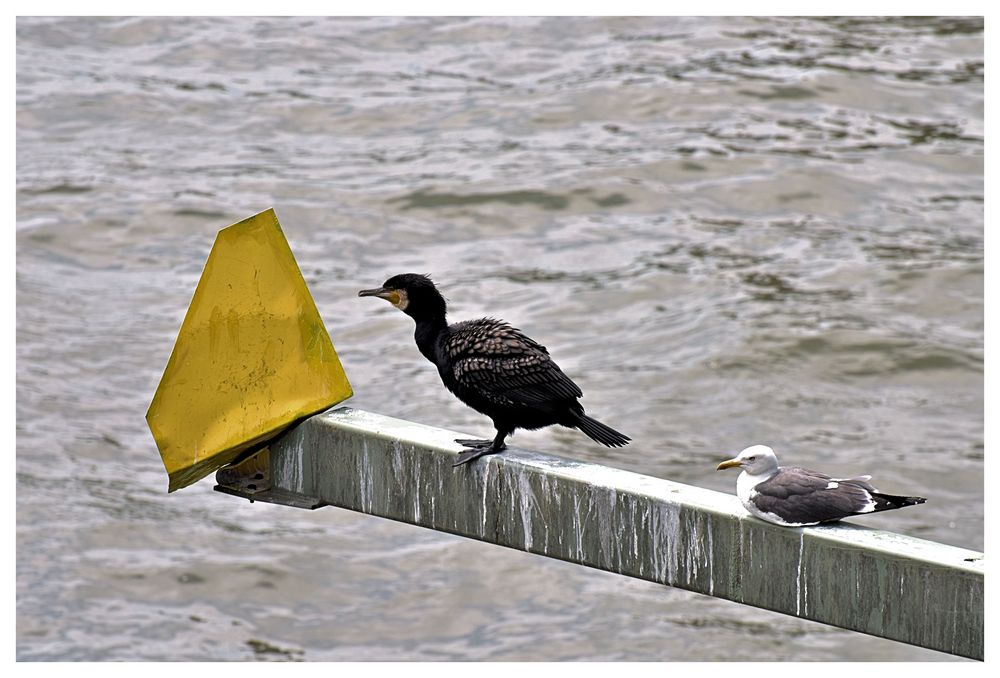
pixel 727 230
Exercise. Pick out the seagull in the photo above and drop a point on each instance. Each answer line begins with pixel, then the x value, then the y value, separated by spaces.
pixel 794 497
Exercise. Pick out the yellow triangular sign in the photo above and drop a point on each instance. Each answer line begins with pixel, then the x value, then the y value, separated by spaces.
pixel 251 357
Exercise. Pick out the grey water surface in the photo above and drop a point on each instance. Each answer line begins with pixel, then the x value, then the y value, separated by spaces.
pixel 727 230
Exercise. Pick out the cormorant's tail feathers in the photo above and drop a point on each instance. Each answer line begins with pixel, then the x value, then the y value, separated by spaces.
pixel 598 432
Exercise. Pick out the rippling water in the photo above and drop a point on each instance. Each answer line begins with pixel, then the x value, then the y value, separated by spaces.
pixel 726 230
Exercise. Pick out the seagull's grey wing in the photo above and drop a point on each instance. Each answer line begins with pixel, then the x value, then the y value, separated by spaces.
pixel 802 497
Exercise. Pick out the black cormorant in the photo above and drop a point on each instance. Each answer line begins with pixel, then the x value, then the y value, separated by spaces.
pixel 493 368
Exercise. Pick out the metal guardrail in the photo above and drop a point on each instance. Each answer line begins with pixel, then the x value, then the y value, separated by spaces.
pixel 874 582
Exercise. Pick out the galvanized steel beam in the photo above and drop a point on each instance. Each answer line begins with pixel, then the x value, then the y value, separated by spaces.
pixel 874 582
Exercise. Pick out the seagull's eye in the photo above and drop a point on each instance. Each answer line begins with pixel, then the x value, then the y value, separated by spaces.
pixel 751 458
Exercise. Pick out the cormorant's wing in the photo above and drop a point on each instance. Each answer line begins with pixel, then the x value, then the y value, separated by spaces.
pixel 503 364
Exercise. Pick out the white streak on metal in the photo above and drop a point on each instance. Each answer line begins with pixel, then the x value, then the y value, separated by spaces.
pixel 674 540
pixel 486 490
pixel 657 545
pixel 416 484
pixel 665 531
pixel 604 526
pixel 635 534
pixel 691 552
pixel 798 577
pixel 525 500
pixel 580 523
pixel 546 492
pixel 292 465
pixel 365 478
pixel 805 596
pixel 711 558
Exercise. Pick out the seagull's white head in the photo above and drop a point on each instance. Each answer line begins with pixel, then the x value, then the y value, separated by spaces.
pixel 755 460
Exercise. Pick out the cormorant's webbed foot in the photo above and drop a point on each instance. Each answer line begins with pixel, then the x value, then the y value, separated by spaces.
pixel 478 448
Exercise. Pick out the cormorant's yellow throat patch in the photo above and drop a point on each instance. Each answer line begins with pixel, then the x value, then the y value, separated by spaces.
pixel 399 299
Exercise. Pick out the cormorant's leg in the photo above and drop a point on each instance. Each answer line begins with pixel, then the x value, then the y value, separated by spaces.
pixel 477 451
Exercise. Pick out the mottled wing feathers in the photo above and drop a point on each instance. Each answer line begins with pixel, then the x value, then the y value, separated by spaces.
pixel 530 379
pixel 488 337
pixel 505 366
pixel 801 496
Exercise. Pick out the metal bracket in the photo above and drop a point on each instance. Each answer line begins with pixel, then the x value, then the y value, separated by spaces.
pixel 250 478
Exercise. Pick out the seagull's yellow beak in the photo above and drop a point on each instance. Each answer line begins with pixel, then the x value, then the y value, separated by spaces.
pixel 728 463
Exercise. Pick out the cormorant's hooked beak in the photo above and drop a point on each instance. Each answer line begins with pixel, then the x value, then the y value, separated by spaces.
pixel 392 296
pixel 728 463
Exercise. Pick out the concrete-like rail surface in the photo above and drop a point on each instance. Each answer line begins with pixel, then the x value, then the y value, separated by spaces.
pixel 874 582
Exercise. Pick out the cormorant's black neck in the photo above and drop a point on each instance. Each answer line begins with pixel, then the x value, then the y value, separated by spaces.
pixel 427 333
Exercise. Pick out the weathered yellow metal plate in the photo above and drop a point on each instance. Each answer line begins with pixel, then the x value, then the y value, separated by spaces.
pixel 251 357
